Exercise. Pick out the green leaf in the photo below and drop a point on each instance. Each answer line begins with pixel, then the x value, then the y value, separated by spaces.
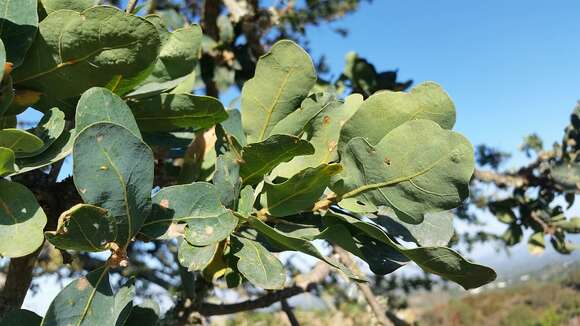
pixel 171 18
pixel 90 301
pixel 51 6
pixel 50 127
pixel 145 314
pixel 436 229
pixel 59 150
pixel 339 234
pixel 2 67
pixel 233 126
pixel 437 260
pixel 8 121
pixel 571 225
pixel 76 51
pixel 512 235
pixel 322 131
pixel 6 161
pixel 178 56
pixel 258 265
pixel 83 228
pixel 297 121
pixel 20 142
pixel 246 204
pixel 285 242
pixel 18 27
pixel 299 193
pixel 198 205
pixel 6 98
pixel 384 111
pixel 22 220
pixel 283 78
pixel 101 105
pixel 567 175
pixel 227 181
pixel 417 168
pixel 196 258
pixel 21 317
pixel 155 88
pixel 171 112
pixel 536 243
pixel 382 259
pixel 258 159
pixel 113 169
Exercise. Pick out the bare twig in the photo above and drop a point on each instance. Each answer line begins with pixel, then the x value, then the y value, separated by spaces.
pixel 289 313
pixel 499 179
pixel 131 6
pixel 378 309
pixel 303 283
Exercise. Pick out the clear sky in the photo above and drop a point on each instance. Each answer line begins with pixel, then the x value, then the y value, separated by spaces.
pixel 512 67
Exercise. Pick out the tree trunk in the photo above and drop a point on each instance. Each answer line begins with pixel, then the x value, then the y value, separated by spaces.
pixel 17 283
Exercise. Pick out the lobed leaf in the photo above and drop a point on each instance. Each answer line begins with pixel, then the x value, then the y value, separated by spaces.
pixel 417 168
pixel 386 110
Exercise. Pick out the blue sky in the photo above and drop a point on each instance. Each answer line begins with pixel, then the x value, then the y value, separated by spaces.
pixel 512 67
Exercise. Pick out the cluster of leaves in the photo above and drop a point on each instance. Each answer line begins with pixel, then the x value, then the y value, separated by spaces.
pixel 535 196
pixel 290 167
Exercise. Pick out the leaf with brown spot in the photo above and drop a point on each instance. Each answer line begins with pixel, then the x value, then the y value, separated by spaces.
pixel 196 205
pixel 90 300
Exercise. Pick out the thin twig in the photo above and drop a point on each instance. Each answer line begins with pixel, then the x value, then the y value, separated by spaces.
pixel 377 308
pixel 303 283
pixel 289 313
pixel 131 6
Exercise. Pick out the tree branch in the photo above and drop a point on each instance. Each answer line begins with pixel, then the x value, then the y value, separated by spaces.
pixel 499 179
pixel 304 283
pixel 18 281
pixel 289 313
pixel 378 309
pixel 131 6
